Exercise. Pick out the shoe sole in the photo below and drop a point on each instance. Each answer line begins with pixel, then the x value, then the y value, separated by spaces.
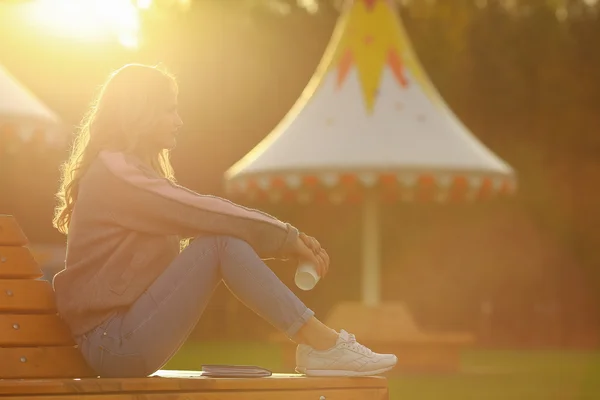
pixel 337 372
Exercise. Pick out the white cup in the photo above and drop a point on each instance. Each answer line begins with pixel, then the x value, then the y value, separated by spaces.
pixel 306 276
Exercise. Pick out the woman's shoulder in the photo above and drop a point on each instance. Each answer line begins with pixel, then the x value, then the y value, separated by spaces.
pixel 122 164
pixel 115 159
pixel 109 174
pixel 105 166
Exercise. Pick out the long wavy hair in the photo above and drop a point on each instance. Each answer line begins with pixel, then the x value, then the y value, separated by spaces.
pixel 121 115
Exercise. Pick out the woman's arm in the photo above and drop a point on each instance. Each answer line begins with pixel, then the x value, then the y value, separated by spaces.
pixel 140 200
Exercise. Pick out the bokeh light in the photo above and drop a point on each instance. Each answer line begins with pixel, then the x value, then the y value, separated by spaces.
pixel 87 20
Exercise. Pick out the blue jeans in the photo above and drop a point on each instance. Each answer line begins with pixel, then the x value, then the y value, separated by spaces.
pixel 138 341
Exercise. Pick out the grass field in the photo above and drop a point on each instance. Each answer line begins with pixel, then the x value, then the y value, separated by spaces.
pixel 493 375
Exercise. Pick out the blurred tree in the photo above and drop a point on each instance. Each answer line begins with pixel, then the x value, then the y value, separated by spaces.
pixel 562 9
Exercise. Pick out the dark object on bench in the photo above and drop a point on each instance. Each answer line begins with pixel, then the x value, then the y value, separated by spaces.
pixel 235 371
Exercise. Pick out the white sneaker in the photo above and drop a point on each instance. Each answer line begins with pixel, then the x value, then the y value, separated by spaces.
pixel 346 358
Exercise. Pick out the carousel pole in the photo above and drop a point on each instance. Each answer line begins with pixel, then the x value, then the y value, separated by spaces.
pixel 371 255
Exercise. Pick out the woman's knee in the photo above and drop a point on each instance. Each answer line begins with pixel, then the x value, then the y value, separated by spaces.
pixel 221 242
pixel 232 243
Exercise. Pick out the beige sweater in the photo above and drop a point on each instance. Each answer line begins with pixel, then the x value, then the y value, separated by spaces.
pixel 125 231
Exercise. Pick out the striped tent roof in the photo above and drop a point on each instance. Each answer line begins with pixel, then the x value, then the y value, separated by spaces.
pixel 23 117
pixel 370 117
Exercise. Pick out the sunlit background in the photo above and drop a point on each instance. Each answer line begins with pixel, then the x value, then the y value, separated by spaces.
pixel 90 20
pixel 523 75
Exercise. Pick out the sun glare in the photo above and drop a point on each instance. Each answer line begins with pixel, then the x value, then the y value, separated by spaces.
pixel 89 19
pixel 144 4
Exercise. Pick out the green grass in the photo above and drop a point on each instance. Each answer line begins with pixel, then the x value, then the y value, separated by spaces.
pixel 487 375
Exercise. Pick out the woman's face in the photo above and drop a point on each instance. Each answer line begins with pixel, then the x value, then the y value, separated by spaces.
pixel 168 124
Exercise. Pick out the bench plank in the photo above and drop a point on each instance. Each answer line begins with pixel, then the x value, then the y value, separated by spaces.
pixel 306 394
pixel 26 296
pixel 11 233
pixel 184 381
pixel 18 263
pixel 33 330
pixel 42 362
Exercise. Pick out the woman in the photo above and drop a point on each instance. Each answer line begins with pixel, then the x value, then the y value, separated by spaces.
pixel 128 294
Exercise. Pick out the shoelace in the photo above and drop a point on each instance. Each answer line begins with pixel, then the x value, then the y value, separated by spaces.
pixel 354 345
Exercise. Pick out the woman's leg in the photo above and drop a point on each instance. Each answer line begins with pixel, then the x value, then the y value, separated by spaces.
pixel 159 322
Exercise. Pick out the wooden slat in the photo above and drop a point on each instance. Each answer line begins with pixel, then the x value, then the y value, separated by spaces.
pixel 18 262
pixel 33 330
pixel 189 381
pixel 10 232
pixel 26 296
pixel 308 394
pixel 42 362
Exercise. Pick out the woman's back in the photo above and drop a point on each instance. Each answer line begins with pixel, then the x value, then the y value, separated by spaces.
pixel 103 254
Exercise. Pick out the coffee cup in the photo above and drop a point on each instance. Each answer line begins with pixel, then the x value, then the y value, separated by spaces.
pixel 306 276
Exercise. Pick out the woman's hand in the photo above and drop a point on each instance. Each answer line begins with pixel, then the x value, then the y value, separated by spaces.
pixel 310 250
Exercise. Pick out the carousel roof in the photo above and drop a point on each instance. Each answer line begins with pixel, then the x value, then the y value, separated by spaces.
pixel 370 117
pixel 22 114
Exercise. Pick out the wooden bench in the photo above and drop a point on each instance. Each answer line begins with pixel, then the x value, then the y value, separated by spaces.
pixel 39 359
pixel 390 328
pixel 191 385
